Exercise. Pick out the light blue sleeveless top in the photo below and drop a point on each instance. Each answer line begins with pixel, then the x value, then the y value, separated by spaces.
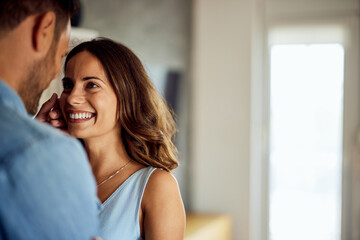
pixel 119 214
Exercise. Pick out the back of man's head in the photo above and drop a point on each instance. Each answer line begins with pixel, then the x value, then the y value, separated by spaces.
pixel 13 12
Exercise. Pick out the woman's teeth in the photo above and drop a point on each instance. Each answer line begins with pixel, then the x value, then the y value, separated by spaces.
pixel 80 115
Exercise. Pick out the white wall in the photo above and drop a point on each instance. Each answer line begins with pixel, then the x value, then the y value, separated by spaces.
pixel 220 131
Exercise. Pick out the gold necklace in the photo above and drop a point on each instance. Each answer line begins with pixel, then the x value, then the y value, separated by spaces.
pixel 111 176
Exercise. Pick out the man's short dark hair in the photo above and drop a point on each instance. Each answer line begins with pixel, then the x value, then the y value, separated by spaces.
pixel 13 12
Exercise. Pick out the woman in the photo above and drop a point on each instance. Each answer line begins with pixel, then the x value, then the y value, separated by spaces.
pixel 126 128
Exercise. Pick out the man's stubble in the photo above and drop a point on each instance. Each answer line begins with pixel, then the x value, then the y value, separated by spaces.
pixel 37 80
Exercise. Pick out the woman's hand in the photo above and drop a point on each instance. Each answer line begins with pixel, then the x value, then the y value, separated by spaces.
pixel 50 113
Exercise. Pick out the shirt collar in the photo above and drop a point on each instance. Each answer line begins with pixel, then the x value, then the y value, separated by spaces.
pixel 11 99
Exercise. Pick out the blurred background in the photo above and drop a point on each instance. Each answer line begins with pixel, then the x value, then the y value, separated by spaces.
pixel 267 99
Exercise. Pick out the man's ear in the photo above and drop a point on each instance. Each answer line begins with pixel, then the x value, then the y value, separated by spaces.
pixel 43 32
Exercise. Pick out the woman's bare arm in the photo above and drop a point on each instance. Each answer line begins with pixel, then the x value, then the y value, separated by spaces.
pixel 162 208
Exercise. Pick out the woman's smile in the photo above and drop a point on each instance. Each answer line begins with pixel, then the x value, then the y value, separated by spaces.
pixel 79 116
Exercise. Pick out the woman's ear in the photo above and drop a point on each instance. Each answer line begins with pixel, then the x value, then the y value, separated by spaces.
pixel 43 32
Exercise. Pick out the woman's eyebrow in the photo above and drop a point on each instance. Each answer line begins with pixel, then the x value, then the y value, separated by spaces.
pixel 91 77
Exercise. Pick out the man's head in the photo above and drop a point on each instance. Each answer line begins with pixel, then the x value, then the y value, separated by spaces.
pixel 34 36
pixel 13 12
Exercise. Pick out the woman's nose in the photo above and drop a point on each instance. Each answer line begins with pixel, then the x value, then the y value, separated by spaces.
pixel 76 96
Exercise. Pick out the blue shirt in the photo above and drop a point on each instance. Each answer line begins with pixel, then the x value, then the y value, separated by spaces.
pixel 119 215
pixel 47 190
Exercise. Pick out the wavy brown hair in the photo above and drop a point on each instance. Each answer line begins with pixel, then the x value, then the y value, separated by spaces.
pixel 147 125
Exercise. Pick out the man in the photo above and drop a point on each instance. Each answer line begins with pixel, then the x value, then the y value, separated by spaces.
pixel 46 187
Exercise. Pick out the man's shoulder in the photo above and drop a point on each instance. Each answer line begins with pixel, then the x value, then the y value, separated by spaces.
pixel 46 184
pixel 19 133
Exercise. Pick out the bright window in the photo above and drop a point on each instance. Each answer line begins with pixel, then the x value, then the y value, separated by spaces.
pixel 306 102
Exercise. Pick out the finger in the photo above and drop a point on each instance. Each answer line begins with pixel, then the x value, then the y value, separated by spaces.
pixel 55 114
pixel 59 123
pixel 49 104
pixel 46 107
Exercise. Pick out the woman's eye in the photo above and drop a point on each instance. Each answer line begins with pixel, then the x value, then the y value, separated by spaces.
pixel 67 85
pixel 92 85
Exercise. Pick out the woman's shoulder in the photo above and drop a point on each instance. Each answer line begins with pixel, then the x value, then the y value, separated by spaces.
pixel 162 186
pixel 162 180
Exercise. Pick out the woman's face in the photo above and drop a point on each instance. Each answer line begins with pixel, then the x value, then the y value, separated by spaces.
pixel 88 101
